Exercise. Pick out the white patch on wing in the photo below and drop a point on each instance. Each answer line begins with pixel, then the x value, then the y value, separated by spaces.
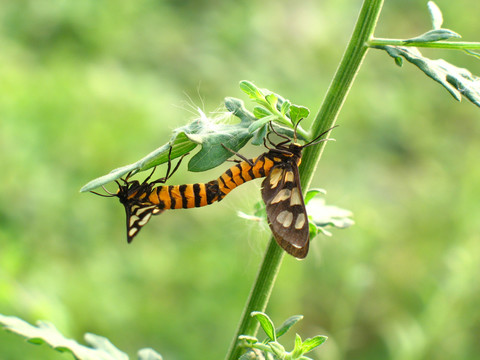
pixel 132 231
pixel 145 219
pixel 300 221
pixel 289 176
pixel 282 195
pixel 142 210
pixel 296 198
pixel 275 176
pixel 285 218
pixel 133 219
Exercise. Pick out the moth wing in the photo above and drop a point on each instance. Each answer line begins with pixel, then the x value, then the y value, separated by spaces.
pixel 138 215
pixel 286 213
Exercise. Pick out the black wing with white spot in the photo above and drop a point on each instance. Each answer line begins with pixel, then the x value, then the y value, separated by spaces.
pixel 286 213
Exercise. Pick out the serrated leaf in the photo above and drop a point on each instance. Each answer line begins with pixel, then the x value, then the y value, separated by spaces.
pixel 44 332
pixel 148 354
pixel 266 323
pixel 434 35
pixel 287 324
pixel 272 99
pixel 435 15
pixel 210 135
pixel 310 344
pixel 251 90
pixel 457 81
pixel 298 112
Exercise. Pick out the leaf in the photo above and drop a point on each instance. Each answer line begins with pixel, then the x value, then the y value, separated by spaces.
pixel 181 145
pixel 272 99
pixel 251 90
pixel 435 15
pixel 312 193
pixel 298 113
pixel 148 354
pixel 285 107
pixel 277 349
pixel 310 344
pixel 323 215
pixel 266 324
pixel 44 332
pixel 434 35
pixel 259 135
pixel 202 131
pixel 261 113
pixel 457 81
pixel 292 320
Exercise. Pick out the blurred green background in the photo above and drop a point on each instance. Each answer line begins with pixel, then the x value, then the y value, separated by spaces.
pixel 87 86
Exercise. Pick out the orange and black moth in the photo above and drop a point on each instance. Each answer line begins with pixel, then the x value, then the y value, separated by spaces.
pixel 281 192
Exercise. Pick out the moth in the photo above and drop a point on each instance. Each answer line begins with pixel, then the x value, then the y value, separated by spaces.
pixel 283 197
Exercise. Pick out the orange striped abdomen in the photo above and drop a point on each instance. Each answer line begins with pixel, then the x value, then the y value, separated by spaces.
pixel 197 195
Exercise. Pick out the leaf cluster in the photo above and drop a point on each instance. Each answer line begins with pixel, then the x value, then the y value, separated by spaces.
pixel 270 348
pixel 214 135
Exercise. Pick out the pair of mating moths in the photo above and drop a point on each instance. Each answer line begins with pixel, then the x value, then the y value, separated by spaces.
pixel 281 192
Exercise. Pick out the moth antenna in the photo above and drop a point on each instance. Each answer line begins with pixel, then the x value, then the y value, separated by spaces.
pixel 314 141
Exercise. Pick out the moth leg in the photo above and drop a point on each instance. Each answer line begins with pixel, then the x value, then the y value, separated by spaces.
pixel 239 155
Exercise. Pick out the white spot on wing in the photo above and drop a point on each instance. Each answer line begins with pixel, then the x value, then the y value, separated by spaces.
pixel 296 198
pixel 133 219
pixel 285 218
pixel 275 176
pixel 300 221
pixel 289 176
pixel 132 231
pixel 282 195
pixel 145 219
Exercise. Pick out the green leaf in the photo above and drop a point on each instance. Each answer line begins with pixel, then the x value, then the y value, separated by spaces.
pixel 285 108
pixel 266 324
pixel 272 99
pixel 310 344
pixel 259 135
pixel 46 333
pixel 297 350
pixel 251 90
pixel 292 320
pixel 323 215
pixel 298 113
pixel 260 113
pixel 472 53
pixel 312 193
pixel 181 145
pixel 435 15
pixel 434 35
pixel 277 349
pixel 457 81
pixel 148 354
pixel 207 133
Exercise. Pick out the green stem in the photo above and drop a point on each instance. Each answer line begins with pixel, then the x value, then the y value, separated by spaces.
pixel 452 45
pixel 337 92
pixel 259 296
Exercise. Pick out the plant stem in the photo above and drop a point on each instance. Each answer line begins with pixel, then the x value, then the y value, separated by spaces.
pixel 259 296
pixel 337 92
pixel 452 45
